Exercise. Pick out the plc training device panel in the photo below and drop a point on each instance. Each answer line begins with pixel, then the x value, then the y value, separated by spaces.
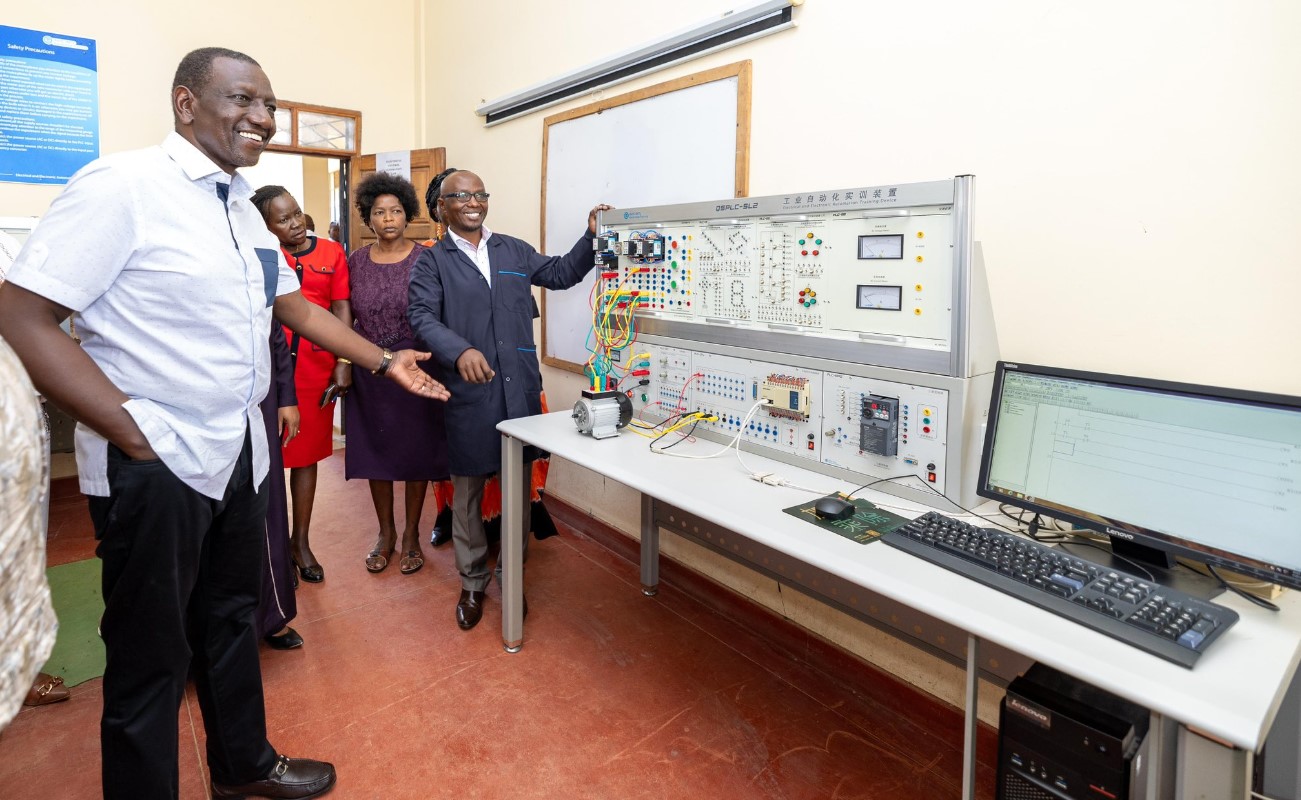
pixel 872 264
pixel 861 425
pixel 859 317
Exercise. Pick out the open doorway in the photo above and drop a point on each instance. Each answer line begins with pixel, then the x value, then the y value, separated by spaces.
pixel 314 182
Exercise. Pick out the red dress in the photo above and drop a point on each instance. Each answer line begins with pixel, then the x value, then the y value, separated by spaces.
pixel 323 273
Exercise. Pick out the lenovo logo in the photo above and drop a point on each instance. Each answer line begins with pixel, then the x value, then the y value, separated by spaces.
pixel 1032 712
pixel 1121 534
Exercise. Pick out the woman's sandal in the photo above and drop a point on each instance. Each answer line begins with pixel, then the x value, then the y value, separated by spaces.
pixel 377 560
pixel 412 561
pixel 312 574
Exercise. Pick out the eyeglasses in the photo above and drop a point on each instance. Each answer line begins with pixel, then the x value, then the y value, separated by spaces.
pixel 464 197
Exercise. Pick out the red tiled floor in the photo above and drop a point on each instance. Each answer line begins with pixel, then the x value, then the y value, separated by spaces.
pixel 689 694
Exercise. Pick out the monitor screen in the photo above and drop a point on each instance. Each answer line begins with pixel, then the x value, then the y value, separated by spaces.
pixel 1199 472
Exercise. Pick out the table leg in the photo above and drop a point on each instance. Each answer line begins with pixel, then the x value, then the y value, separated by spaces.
pixel 650 548
pixel 513 530
pixel 971 719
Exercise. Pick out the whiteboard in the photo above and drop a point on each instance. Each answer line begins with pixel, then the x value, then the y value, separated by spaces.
pixel 682 141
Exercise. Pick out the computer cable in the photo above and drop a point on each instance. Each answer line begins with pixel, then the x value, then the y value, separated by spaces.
pixel 933 490
pixel 1251 598
pixel 1032 530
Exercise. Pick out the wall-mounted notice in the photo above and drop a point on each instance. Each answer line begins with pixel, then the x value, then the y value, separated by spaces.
pixel 395 162
pixel 49 105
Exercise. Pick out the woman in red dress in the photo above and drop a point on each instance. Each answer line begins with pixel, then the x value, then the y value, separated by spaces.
pixel 322 269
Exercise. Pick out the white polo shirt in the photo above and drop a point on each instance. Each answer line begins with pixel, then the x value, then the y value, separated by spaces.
pixel 174 304
pixel 479 255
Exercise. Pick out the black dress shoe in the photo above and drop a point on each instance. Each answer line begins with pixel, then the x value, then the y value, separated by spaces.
pixel 312 574
pixel 290 778
pixel 442 533
pixel 284 641
pixel 469 610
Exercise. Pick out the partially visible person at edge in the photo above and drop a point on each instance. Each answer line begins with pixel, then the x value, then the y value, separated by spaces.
pixel 175 279
pixel 540 522
pixel 392 436
pixel 278 604
pixel 334 231
pixel 322 270
pixel 27 622
pixel 311 225
pixel 471 303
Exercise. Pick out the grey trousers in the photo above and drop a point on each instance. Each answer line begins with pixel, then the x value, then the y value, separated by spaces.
pixel 469 541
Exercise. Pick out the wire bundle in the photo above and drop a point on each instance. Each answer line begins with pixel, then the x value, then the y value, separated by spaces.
pixel 613 331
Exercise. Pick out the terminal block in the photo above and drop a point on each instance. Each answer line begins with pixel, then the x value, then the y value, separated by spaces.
pixel 879 425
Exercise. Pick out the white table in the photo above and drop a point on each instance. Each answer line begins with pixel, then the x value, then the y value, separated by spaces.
pixel 1232 695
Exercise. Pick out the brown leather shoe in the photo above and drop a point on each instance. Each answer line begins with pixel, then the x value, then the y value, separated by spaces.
pixel 298 778
pixel 469 609
pixel 46 689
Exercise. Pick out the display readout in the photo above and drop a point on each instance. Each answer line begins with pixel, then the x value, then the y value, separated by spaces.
pixel 881 298
pixel 881 246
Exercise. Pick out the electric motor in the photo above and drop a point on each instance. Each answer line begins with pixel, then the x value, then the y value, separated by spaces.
pixel 602 414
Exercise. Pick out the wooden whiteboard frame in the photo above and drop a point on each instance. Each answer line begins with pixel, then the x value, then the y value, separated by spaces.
pixel 740 70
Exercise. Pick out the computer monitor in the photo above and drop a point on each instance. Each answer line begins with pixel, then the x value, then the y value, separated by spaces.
pixel 1165 469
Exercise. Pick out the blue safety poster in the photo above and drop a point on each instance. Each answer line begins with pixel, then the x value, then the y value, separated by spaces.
pixel 49 105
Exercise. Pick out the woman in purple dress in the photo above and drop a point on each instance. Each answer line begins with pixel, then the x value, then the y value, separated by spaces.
pixel 392 435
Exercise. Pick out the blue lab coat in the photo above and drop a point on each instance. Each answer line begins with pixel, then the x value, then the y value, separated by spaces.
pixel 452 309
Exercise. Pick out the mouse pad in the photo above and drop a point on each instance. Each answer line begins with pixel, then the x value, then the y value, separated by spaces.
pixel 867 524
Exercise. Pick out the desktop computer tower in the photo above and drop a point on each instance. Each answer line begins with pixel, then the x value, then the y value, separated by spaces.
pixel 1062 739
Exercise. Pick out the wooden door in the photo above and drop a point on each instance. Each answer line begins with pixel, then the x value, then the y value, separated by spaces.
pixel 425 164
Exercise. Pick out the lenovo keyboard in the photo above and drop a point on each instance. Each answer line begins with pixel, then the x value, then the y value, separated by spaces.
pixel 1164 622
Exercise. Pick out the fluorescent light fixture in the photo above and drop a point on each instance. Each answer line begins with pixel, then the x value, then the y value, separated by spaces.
pixel 725 30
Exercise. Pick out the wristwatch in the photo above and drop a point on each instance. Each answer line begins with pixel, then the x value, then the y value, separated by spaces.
pixel 384 364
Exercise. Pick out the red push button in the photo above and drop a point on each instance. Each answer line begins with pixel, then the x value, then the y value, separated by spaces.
pixel 930 476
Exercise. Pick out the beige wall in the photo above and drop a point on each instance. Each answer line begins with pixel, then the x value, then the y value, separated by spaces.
pixel 335 56
pixel 1136 186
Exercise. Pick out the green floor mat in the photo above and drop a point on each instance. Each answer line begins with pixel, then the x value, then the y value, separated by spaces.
pixel 78 652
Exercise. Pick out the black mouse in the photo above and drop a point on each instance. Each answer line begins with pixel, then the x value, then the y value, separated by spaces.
pixel 833 507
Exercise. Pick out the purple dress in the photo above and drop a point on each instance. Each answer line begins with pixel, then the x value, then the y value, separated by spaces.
pixel 393 435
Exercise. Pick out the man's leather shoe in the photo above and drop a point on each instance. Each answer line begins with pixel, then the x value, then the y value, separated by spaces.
pixel 469 609
pixel 290 778
pixel 442 533
pixel 46 689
